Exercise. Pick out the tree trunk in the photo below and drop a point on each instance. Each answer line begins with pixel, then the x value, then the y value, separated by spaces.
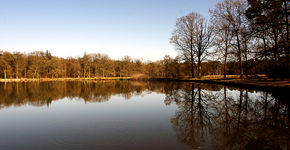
pixel 5 74
pixel 240 56
pixel 226 54
pixel 191 56
pixel 17 71
pixel 192 70
pixel 89 72
pixel 246 59
pixel 199 67
pixel 25 72
pixel 192 64
pixel 95 71
pixel 225 63
pixel 35 74
pixel 265 48
pixel 276 47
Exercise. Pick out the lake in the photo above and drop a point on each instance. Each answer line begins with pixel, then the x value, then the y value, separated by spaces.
pixel 141 115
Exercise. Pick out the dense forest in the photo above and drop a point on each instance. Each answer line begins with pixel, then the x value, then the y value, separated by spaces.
pixel 240 37
pixel 42 65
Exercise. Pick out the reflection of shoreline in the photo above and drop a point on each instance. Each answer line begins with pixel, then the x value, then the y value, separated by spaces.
pixel 43 93
pixel 230 119
pixel 259 84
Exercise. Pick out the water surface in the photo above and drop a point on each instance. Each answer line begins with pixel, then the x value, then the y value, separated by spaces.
pixel 141 115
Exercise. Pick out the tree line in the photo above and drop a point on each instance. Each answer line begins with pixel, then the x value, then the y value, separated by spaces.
pixel 246 32
pixel 240 37
pixel 40 64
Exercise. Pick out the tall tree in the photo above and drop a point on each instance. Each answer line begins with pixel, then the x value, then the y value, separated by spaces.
pixel 85 65
pixel 272 17
pixel 203 39
pixel 36 62
pixel 183 38
pixel 192 38
pixel 233 12
pixel 5 67
pixel 73 68
pixel 223 38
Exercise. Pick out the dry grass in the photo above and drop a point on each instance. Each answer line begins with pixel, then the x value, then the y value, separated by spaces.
pixel 220 77
pixel 252 80
pixel 263 83
pixel 63 79
pixel 260 80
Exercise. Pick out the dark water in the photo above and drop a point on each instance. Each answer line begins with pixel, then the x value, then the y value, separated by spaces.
pixel 115 115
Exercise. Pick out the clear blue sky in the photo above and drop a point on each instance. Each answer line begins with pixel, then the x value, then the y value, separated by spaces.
pixel 138 28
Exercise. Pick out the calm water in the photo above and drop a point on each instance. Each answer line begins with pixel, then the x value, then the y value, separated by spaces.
pixel 141 115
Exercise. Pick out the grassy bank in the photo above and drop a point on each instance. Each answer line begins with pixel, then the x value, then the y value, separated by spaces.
pixel 250 82
pixel 260 81
pixel 63 79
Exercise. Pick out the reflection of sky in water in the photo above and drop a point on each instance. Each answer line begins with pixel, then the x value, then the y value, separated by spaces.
pixel 69 123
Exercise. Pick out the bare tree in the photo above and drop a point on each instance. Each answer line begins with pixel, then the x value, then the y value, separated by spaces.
pixel 192 37
pixel 223 36
pixel 233 12
pixel 203 39
pixel 223 43
pixel 270 21
pixel 183 38
pixel 246 38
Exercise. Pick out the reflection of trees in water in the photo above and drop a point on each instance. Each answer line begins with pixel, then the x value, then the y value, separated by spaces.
pixel 43 93
pixel 193 118
pixel 208 116
pixel 212 118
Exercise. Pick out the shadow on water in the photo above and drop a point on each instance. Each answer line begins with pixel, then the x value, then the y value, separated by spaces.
pixel 208 116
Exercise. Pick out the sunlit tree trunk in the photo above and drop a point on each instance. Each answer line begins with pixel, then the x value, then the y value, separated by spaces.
pixel 16 70
pixel 225 62
pixel 199 67
pixel 239 55
pixel 5 74
pixel 246 58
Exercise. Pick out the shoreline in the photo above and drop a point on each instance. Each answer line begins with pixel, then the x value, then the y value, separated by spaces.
pixel 249 83
pixel 255 83
pixel 63 79
pixel 261 83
